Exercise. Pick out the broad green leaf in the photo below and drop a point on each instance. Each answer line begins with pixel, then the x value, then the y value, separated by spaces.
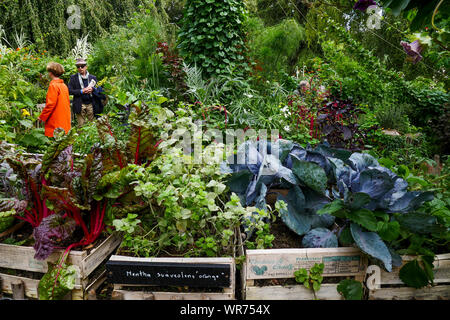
pixel 350 289
pixel 364 217
pixel 413 275
pixel 331 207
pixel 389 231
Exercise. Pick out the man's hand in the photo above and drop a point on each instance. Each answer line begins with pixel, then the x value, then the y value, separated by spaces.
pixel 87 90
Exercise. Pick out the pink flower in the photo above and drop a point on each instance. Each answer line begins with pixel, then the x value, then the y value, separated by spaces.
pixel 413 50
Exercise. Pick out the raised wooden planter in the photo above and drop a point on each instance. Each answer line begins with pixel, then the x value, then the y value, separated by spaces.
pixel 22 258
pixel 136 278
pixel 384 285
pixel 282 263
pixel 145 273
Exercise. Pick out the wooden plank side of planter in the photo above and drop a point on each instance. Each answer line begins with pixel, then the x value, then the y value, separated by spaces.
pixel 30 285
pixel 282 263
pixel 405 293
pixel 22 258
pixel 379 281
pixel 141 295
pixel 99 254
pixel 293 292
pixel 441 272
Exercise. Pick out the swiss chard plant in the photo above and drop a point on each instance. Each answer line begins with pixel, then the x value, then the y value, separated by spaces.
pixel 334 197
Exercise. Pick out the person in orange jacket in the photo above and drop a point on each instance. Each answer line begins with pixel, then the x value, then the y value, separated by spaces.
pixel 56 113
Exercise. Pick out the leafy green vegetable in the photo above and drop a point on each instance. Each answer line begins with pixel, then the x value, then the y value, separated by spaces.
pixel 350 289
pixel 64 284
pixel 418 273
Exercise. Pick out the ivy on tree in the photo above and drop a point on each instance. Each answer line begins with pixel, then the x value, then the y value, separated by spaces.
pixel 212 35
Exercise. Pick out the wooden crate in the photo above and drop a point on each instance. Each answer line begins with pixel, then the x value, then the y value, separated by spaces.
pixel 158 266
pixel 385 285
pixel 22 258
pixel 282 263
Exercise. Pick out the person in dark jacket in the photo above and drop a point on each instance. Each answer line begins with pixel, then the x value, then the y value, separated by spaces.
pixel 87 99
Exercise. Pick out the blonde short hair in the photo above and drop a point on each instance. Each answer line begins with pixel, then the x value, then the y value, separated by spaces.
pixel 55 68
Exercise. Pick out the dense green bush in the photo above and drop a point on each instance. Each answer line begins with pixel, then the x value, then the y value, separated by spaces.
pixel 212 35
pixel 129 53
pixel 276 49
pixel 44 22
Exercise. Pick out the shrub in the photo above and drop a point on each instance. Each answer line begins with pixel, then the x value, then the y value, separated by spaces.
pixel 393 116
pixel 277 48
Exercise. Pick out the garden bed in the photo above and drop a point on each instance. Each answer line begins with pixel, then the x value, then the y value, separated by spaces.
pixel 280 264
pixel 29 271
pixel 268 274
pixel 172 278
pixel 384 285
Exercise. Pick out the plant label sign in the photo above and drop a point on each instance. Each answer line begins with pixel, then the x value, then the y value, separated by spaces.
pixel 282 263
pixel 169 274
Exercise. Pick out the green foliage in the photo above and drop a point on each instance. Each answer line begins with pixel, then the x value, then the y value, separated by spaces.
pixel 392 116
pixel 276 49
pixel 418 273
pixel 65 282
pixel 312 279
pixel 350 289
pixel 130 53
pixel 212 36
pixel 46 24
pixel 6 219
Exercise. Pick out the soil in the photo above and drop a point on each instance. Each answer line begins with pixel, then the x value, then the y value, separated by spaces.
pixel 284 237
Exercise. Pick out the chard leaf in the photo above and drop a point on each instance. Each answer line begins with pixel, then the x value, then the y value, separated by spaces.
pixel 92 174
pixel 55 149
pixel 6 219
pixel 371 243
pixel 311 174
pixel 364 218
pixel 9 204
pixel 320 238
pixel 350 289
pixel 141 144
pixel 51 233
pixel 65 282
